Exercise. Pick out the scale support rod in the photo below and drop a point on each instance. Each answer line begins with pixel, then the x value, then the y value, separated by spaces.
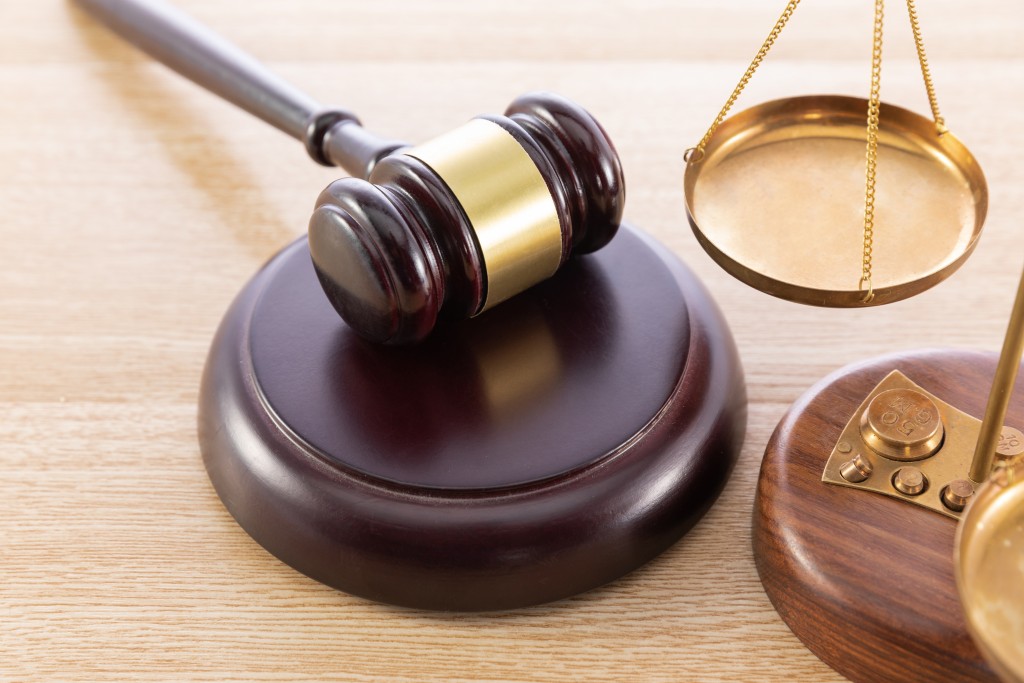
pixel 999 396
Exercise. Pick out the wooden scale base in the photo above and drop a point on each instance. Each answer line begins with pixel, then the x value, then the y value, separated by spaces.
pixel 542 449
pixel 864 580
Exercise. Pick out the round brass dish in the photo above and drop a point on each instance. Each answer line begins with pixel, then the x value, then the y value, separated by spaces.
pixel 990 570
pixel 777 200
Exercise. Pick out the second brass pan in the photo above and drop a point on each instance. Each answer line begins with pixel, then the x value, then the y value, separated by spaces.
pixel 990 570
pixel 777 200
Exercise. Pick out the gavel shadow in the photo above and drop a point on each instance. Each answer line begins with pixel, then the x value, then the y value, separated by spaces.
pixel 213 170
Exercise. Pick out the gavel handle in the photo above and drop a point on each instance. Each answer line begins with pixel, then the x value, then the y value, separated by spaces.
pixel 332 136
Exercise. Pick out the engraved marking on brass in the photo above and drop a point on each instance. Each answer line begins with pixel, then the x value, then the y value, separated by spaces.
pixel 902 424
pixel 910 480
pixel 1011 443
pixel 949 462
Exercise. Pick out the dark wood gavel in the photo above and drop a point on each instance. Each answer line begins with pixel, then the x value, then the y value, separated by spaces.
pixel 451 227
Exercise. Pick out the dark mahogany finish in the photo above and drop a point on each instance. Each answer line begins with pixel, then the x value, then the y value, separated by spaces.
pixel 394 251
pixel 581 166
pixel 539 450
pixel 866 581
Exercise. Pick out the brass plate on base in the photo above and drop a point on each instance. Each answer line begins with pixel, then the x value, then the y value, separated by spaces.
pixel 777 200
pixel 950 462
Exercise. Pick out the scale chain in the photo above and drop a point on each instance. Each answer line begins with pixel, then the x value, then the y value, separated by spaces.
pixel 697 153
pixel 872 153
pixel 929 86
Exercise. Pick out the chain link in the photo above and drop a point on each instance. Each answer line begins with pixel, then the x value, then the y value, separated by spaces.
pixel 872 153
pixel 697 153
pixel 915 25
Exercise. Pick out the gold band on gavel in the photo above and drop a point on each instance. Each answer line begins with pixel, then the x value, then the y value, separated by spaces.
pixel 506 200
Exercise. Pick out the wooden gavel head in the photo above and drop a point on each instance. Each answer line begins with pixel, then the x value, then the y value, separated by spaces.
pixel 461 223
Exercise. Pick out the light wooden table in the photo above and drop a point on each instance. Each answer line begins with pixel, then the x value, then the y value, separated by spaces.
pixel 134 207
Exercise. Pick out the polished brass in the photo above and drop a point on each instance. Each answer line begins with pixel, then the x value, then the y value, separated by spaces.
pixel 1011 443
pixel 989 560
pixel 769 191
pixel 957 493
pixel 857 469
pixel 506 201
pixel 776 203
pixel 1002 385
pixel 902 424
pixel 910 480
pixel 940 470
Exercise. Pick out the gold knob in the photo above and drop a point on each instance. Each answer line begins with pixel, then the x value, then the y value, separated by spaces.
pixel 902 424
pixel 857 469
pixel 957 493
pixel 910 480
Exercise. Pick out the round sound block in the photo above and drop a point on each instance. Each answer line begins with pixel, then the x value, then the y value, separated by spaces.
pixel 539 450
pixel 864 580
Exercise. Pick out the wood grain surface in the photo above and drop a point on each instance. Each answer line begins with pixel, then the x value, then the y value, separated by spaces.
pixel 135 206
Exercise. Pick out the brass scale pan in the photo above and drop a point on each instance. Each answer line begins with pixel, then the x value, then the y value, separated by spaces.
pixel 777 201
pixel 989 547
pixel 990 570
pixel 776 194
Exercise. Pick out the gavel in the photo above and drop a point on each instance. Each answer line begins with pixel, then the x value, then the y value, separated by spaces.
pixel 445 229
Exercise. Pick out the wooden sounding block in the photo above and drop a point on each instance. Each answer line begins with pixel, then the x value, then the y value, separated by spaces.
pixel 866 581
pixel 539 450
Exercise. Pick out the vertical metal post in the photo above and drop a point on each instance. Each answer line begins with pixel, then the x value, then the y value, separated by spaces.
pixel 1002 386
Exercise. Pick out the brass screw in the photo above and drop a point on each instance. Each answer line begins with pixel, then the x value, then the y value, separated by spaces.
pixel 910 481
pixel 957 493
pixel 844 447
pixel 856 470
